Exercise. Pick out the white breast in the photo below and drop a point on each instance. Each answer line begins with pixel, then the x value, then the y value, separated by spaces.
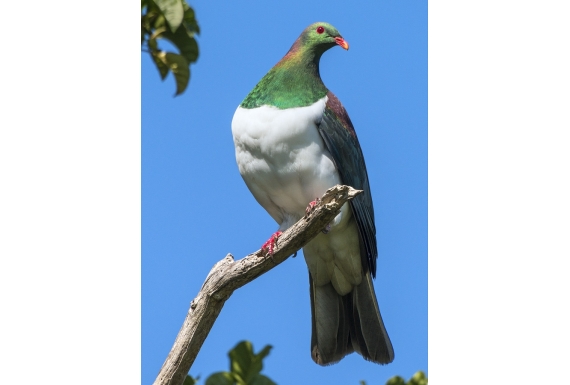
pixel 282 158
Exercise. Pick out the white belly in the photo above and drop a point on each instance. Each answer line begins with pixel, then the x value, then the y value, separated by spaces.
pixel 285 164
pixel 282 158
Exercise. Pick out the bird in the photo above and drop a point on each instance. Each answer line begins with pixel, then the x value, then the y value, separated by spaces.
pixel 293 140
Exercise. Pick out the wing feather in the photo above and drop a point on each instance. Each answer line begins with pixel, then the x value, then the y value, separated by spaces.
pixel 339 137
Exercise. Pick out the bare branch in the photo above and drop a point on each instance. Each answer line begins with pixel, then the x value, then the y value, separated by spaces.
pixel 228 275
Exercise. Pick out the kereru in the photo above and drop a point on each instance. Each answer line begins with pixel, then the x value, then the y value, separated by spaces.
pixel 293 141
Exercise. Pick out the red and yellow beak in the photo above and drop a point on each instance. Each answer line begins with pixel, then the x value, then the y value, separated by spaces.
pixel 340 41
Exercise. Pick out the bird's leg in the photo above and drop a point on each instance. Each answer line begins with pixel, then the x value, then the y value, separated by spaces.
pixel 326 229
pixel 270 244
pixel 311 206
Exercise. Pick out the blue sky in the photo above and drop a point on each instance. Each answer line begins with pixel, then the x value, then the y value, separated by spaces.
pixel 196 208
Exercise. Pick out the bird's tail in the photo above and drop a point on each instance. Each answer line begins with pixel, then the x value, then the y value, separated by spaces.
pixel 344 324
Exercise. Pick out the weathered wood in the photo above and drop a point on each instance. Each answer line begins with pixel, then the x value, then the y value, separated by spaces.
pixel 228 275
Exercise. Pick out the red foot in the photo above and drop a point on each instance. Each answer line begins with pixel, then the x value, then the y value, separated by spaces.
pixel 311 206
pixel 270 244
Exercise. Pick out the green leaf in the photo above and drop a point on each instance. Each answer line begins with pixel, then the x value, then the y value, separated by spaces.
pixel 159 59
pixel 185 43
pixel 260 379
pixel 146 19
pixel 179 67
pixel 159 22
pixel 220 378
pixel 152 44
pixel 264 352
pixel 181 70
pixel 396 380
pixel 257 363
pixel 419 378
pixel 190 19
pixel 173 11
pixel 244 364
pixel 241 358
pixel 190 381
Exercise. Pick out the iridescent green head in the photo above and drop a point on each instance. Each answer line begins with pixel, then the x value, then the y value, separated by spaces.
pixel 321 36
pixel 295 80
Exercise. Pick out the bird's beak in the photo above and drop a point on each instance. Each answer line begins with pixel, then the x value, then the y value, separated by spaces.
pixel 340 41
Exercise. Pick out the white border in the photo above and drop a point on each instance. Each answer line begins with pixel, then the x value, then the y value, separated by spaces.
pixel 499 187
pixel 70 194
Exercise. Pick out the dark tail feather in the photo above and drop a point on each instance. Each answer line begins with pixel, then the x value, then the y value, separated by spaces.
pixel 369 336
pixel 344 324
pixel 330 337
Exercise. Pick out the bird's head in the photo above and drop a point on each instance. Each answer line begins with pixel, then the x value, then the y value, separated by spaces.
pixel 322 36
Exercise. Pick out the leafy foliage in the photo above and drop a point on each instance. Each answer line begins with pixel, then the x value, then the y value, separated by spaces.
pixel 189 380
pixel 245 368
pixel 419 378
pixel 175 21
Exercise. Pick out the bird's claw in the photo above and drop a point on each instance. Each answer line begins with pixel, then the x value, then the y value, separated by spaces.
pixel 311 206
pixel 327 229
pixel 269 245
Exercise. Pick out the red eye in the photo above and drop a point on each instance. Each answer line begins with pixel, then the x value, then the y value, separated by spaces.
pixel 320 30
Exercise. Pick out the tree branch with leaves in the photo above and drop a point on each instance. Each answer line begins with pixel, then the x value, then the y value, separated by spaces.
pixel 175 21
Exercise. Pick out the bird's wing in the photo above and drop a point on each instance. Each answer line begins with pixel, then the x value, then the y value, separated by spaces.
pixel 340 139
